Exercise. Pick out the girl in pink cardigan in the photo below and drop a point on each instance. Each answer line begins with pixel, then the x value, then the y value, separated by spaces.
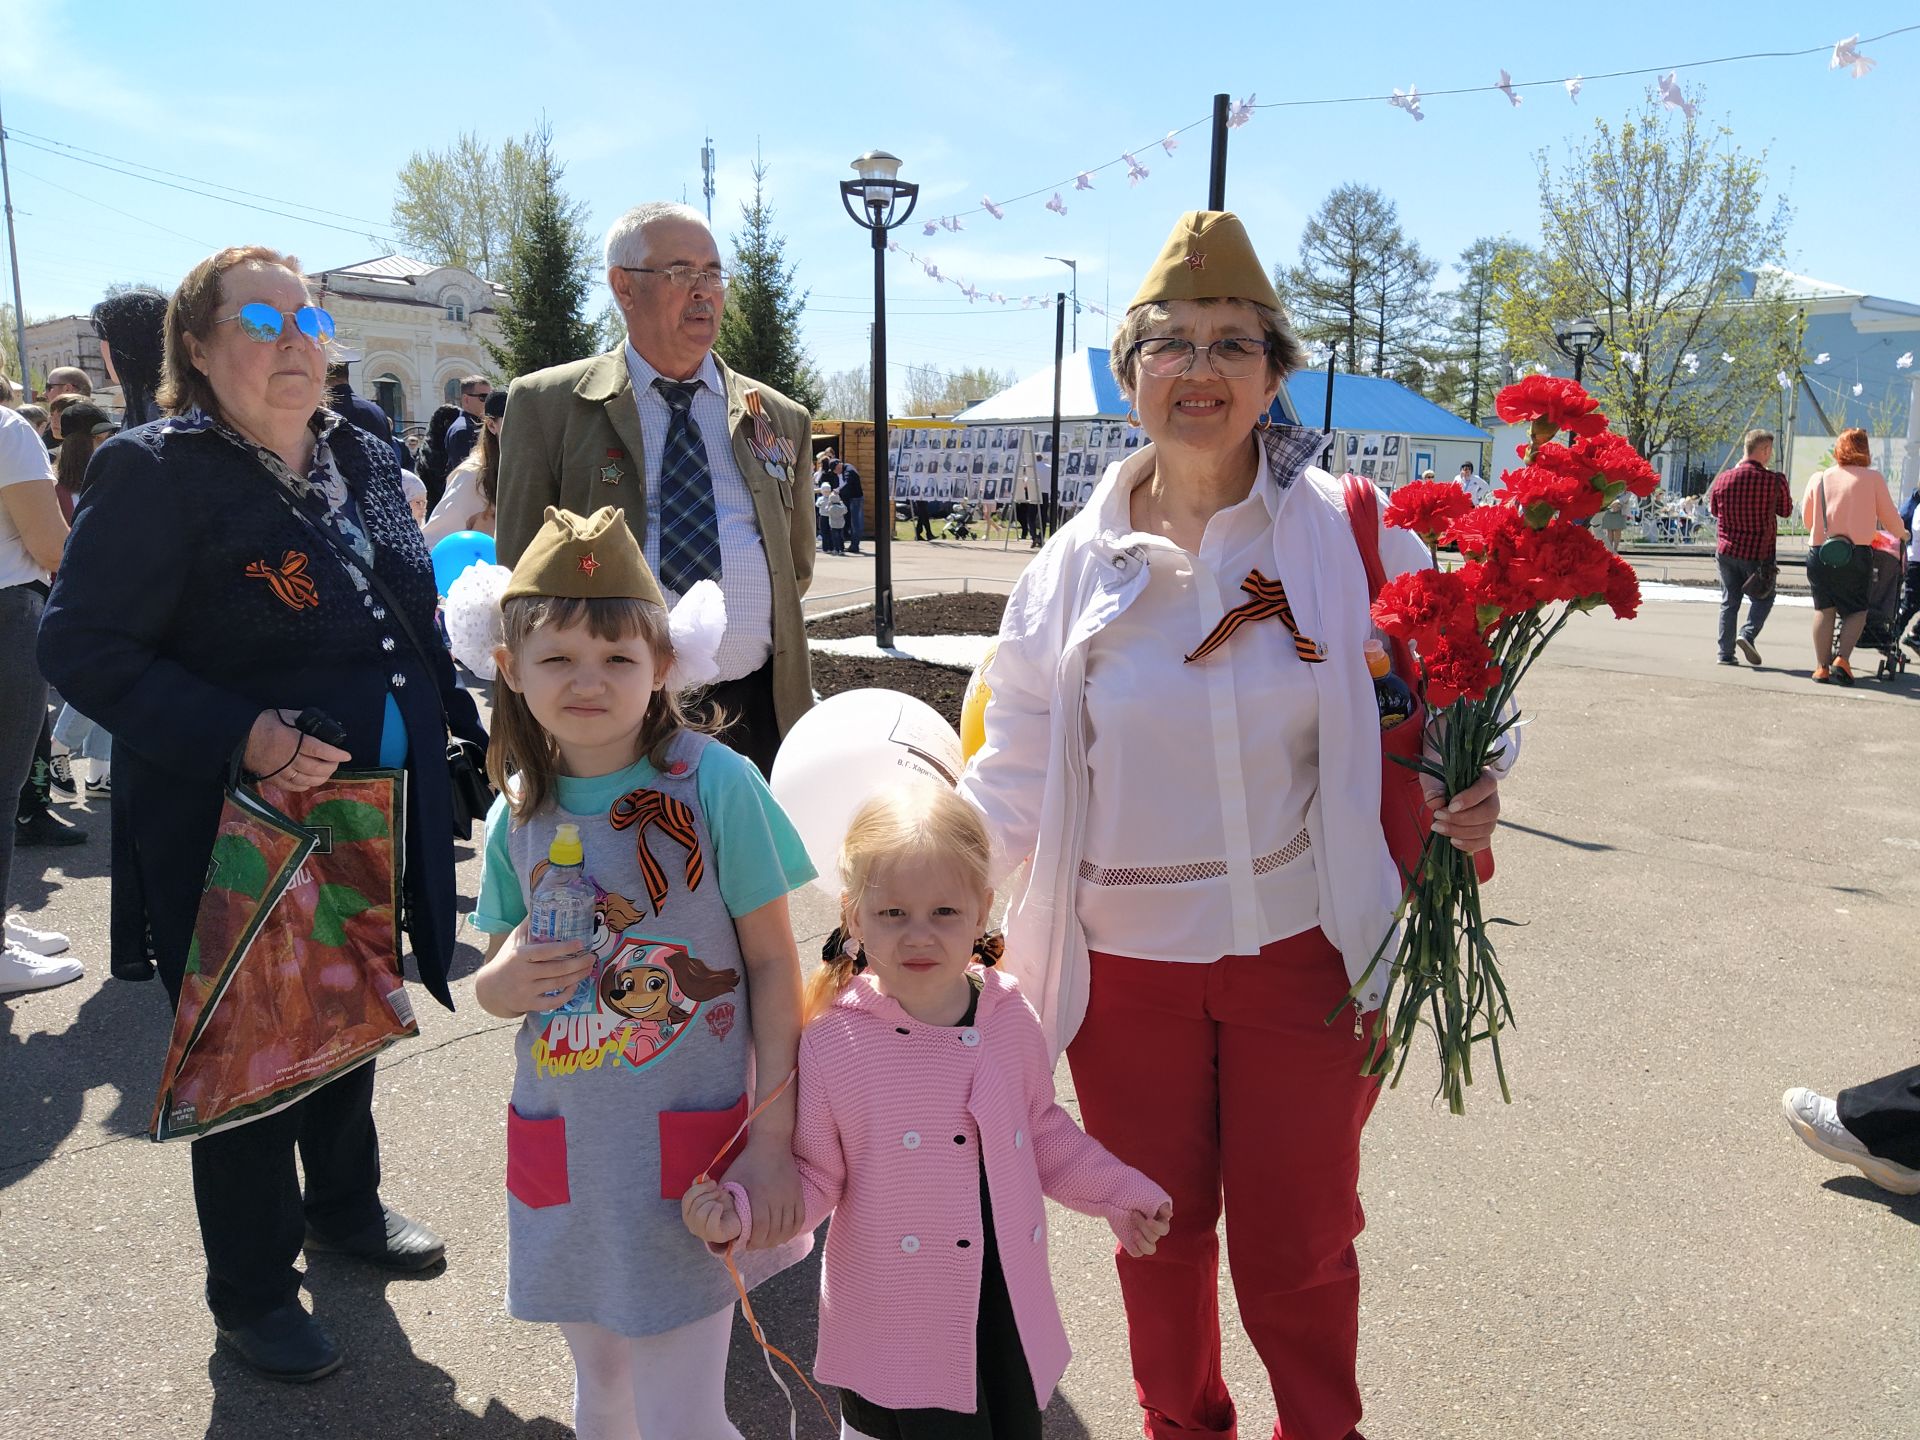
pixel 927 1127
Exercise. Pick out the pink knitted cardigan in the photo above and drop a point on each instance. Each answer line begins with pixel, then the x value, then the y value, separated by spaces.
pixel 893 1117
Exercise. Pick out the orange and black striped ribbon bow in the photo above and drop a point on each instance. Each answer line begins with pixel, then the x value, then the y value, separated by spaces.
pixel 1269 599
pixel 649 809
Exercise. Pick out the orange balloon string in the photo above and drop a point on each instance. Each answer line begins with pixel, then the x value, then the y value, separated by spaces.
pixel 769 1350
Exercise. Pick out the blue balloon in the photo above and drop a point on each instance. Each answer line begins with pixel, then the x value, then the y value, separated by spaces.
pixel 453 555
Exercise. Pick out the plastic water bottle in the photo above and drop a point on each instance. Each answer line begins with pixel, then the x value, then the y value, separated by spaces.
pixel 562 908
pixel 1390 692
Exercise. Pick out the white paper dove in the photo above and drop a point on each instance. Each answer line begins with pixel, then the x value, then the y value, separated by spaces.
pixel 932 227
pixel 1822 358
pixel 1630 360
pixel 1409 102
pixel 1905 362
pixel 972 292
pixel 1083 181
pixel 1847 55
pixel 696 625
pixel 1673 97
pixel 1505 87
pixel 1239 113
pixel 1692 362
pixel 472 615
pixel 951 222
pixel 1136 172
pixel 1726 357
pixel 1573 89
pixel 1784 382
pixel 1057 205
pixel 986 204
pixel 1857 388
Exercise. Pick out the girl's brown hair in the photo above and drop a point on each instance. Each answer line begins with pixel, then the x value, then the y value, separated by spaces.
pixel 1851 448
pixel 922 820
pixel 77 444
pixel 520 747
pixel 192 311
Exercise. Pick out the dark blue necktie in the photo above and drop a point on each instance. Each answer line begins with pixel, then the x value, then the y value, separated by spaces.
pixel 689 534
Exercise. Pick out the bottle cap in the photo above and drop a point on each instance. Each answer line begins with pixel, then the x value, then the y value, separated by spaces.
pixel 566 848
pixel 1379 663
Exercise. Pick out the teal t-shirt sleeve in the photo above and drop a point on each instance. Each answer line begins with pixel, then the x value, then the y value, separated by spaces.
pixel 502 904
pixel 757 852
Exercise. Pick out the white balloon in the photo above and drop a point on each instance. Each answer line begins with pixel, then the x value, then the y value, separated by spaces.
pixel 845 750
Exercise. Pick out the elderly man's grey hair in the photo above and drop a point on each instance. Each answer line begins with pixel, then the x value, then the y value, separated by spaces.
pixel 1285 353
pixel 626 238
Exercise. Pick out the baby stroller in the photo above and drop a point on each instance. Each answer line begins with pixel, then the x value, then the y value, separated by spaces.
pixel 1883 613
pixel 960 520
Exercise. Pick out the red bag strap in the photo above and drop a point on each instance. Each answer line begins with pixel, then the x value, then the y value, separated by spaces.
pixel 1363 514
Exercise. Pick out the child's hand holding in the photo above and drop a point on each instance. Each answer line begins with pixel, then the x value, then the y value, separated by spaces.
pixel 1140 1232
pixel 767 1173
pixel 523 977
pixel 710 1213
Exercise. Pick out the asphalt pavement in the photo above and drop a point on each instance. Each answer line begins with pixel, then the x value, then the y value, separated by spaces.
pixel 1714 875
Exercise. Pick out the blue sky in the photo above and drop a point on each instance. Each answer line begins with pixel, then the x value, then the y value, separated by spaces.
pixel 978 99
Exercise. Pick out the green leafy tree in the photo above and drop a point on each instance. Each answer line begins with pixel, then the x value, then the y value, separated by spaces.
pixel 1361 284
pixel 1662 229
pixel 466 205
pixel 547 275
pixel 760 327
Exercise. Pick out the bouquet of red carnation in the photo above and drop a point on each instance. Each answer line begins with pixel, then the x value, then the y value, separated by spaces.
pixel 1529 564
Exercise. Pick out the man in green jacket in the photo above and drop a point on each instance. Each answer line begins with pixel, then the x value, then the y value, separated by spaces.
pixel 703 461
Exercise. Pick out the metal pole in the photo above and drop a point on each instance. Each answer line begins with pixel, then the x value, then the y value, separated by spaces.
pixel 883 500
pixel 1053 470
pixel 1579 362
pixel 1217 173
pixel 1076 309
pixel 1333 352
pixel 13 257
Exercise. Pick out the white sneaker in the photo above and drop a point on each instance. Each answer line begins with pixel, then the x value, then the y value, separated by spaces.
pixel 21 971
pixel 1816 1120
pixel 34 942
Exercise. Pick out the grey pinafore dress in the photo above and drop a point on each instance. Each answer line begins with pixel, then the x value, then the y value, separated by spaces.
pixel 615 1111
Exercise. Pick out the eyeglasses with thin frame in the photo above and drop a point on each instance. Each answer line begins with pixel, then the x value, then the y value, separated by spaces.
pixel 1232 357
pixel 683 277
pixel 260 321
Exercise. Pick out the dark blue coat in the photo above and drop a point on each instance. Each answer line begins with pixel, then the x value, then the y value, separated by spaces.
pixel 156 631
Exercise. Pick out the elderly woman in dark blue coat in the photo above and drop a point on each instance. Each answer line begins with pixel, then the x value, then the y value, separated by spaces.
pixel 200 607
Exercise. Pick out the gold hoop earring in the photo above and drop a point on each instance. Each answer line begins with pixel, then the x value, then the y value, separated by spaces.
pixel 1133 417
pixel 1265 422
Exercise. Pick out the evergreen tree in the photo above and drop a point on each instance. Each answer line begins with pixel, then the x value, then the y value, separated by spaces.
pixel 1360 283
pixel 1469 363
pixel 547 276
pixel 760 327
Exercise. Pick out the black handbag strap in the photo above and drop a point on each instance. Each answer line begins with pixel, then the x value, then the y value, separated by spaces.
pixel 352 562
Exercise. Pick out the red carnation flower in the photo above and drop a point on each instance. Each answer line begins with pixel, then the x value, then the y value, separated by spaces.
pixel 1483 529
pixel 1495 587
pixel 1427 506
pixel 1422 605
pixel 1563 561
pixel 1618 463
pixel 1546 397
pixel 1623 588
pixel 1458 667
pixel 1540 493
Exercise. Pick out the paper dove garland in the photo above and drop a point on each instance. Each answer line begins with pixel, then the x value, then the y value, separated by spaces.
pixel 986 204
pixel 1726 357
pixel 1239 113
pixel 1781 376
pixel 1692 362
pixel 1822 358
pixel 1083 181
pixel 1630 359
pixel 1057 205
pixel 951 222
pixel 1409 102
pixel 1136 172
pixel 972 293
pixel 1673 97
pixel 932 227
pixel 1505 87
pixel 1573 89
pixel 1847 55
pixel 1905 362
pixel 1170 144
pixel 1857 388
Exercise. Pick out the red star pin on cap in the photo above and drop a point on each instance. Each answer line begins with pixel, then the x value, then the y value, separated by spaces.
pixel 588 564
pixel 1197 262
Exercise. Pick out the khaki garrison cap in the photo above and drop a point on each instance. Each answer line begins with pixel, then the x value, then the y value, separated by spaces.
pixel 584 558
pixel 1207 257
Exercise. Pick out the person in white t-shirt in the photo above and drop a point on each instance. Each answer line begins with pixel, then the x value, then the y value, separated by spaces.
pixel 32 532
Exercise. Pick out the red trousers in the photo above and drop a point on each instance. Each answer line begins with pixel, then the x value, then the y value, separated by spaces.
pixel 1221 1081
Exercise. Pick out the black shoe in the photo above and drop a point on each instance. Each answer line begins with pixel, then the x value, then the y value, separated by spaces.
pixel 60 775
pixel 285 1344
pixel 43 827
pixel 396 1244
pixel 1728 660
pixel 1748 649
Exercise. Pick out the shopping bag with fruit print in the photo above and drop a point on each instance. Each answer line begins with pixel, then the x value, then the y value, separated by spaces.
pixel 293 977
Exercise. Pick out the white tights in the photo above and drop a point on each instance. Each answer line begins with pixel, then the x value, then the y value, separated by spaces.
pixel 660 1387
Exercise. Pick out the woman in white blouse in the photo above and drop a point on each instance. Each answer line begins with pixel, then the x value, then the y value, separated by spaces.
pixel 1199 793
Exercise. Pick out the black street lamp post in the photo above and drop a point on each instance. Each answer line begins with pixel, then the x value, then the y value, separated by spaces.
pixel 884 201
pixel 1578 339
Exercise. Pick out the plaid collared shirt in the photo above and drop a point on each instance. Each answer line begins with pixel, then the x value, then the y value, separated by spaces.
pixel 1746 503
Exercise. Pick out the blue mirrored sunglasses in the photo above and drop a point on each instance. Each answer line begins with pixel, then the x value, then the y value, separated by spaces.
pixel 260 321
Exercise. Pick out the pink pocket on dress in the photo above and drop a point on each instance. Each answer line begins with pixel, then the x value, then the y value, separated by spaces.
pixel 537 1160
pixel 689 1141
